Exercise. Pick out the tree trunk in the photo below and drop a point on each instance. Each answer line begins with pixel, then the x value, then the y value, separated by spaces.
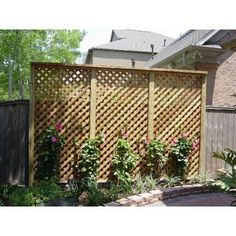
pixel 10 72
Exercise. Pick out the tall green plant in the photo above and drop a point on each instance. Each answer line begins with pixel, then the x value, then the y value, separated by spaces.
pixel 123 162
pixel 49 146
pixel 180 149
pixel 156 158
pixel 88 163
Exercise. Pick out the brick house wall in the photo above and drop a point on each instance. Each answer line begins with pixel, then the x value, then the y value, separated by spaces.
pixel 225 81
pixel 221 80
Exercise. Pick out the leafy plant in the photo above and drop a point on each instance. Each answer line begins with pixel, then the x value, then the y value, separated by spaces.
pixel 179 152
pixel 123 162
pixel 89 161
pixel 229 156
pixel 5 191
pixel 144 184
pixel 48 189
pixel 227 181
pixel 95 197
pixel 170 181
pixel 156 157
pixel 198 178
pixel 50 144
pixel 35 195
pixel 151 183
pixel 139 185
pixel 1 203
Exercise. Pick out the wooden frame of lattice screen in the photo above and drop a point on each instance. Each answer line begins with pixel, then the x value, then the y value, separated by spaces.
pixel 158 103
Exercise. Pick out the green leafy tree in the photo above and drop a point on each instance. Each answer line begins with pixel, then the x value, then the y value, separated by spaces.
pixel 19 47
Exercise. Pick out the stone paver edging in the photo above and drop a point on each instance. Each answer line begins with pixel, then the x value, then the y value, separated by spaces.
pixel 159 195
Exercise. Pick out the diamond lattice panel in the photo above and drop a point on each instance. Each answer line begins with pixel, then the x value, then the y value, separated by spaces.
pixel 122 103
pixel 62 95
pixel 177 109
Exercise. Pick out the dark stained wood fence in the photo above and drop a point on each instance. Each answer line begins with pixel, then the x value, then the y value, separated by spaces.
pixel 220 134
pixel 14 126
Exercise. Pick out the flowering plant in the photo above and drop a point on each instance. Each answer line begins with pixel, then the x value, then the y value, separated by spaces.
pixel 156 156
pixel 50 143
pixel 180 149
pixel 88 160
pixel 124 161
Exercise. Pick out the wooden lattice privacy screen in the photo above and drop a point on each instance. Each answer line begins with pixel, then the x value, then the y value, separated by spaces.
pixel 157 103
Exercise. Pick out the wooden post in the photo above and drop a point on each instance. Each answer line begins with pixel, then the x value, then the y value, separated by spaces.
pixel 31 126
pixel 203 128
pixel 92 130
pixel 151 87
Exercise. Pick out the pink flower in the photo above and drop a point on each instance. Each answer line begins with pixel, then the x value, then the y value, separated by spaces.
pixel 174 141
pixel 194 147
pixel 184 135
pixel 122 132
pixel 58 127
pixel 195 144
pixel 196 141
pixel 53 139
pixel 125 135
pixel 147 140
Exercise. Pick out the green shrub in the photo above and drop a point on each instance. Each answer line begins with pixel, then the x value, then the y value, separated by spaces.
pixel 23 196
pixel 5 191
pixel 35 195
pixel 47 189
pixel 123 162
pixel 88 161
pixel 155 159
pixel 50 143
pixel 179 152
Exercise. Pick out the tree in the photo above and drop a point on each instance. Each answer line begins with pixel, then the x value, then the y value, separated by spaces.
pixel 19 47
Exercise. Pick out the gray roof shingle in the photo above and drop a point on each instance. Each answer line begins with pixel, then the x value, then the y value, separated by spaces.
pixel 191 37
pixel 136 40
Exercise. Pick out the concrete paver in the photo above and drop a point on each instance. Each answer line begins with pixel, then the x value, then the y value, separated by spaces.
pixel 203 199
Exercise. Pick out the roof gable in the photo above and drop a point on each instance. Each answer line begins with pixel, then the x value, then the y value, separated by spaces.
pixel 136 40
pixel 190 38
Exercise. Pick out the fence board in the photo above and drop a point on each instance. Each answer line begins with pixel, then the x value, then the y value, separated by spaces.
pixel 14 141
pixel 221 134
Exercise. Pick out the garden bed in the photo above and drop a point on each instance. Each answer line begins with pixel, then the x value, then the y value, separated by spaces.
pixel 159 195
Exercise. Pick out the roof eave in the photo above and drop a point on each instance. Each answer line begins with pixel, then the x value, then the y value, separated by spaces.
pixel 179 53
pixel 120 50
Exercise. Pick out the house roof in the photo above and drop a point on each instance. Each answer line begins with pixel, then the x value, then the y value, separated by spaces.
pixel 135 40
pixel 190 38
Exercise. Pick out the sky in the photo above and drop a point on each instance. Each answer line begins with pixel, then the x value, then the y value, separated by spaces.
pixel 98 37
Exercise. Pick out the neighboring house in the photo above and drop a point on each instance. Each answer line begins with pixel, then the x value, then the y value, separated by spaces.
pixel 127 46
pixel 208 50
